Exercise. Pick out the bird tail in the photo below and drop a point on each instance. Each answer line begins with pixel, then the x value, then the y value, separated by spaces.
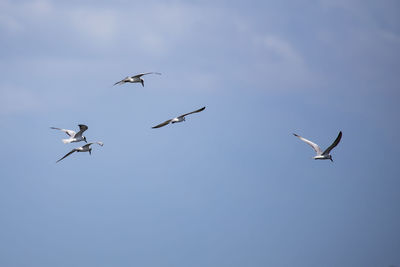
pixel 66 141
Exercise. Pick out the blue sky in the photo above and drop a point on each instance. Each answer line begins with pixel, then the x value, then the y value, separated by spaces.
pixel 231 186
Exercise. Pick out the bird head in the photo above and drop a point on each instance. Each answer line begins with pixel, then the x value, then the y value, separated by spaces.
pixel 142 82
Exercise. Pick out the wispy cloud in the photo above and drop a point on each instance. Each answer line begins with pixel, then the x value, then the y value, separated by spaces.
pixel 17 100
pixel 221 45
pixel 99 26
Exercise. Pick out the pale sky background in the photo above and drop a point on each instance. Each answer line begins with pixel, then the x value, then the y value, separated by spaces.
pixel 231 186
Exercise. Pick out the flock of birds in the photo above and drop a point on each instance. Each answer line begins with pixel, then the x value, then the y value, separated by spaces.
pixel 78 136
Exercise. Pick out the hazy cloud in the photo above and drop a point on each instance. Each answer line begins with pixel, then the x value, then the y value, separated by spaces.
pixel 16 100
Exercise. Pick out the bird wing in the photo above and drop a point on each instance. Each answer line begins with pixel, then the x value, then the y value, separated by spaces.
pixel 68 132
pixel 89 144
pixel 121 81
pixel 199 110
pixel 162 124
pixel 313 145
pixel 141 74
pixel 69 153
pixel 82 128
pixel 335 143
pixel 100 143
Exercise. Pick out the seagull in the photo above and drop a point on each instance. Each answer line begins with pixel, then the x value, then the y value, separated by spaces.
pixel 84 148
pixel 136 78
pixel 73 136
pixel 320 154
pixel 178 119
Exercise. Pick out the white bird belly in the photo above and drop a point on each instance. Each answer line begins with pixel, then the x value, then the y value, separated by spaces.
pixel 321 157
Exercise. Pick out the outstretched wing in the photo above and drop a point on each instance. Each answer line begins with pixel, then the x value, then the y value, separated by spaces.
pixel 69 153
pixel 141 74
pixel 122 81
pixel 162 124
pixel 82 128
pixel 199 110
pixel 68 132
pixel 335 143
pixel 313 145
pixel 89 144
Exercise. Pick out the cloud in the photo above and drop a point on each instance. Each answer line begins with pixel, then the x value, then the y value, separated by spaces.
pixel 16 17
pixel 17 100
pixel 9 24
pixel 279 62
pixel 281 48
pixel 38 8
pixel 99 25
pixel 53 18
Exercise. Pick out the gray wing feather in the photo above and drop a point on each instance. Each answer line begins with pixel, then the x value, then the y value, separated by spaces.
pixel 69 153
pixel 89 144
pixel 68 132
pixel 162 124
pixel 141 74
pixel 313 145
pixel 121 81
pixel 335 143
pixel 199 110
pixel 82 128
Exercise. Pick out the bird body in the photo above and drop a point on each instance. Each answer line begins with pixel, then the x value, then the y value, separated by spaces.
pixel 72 140
pixel 323 157
pixel 321 154
pixel 73 136
pixel 178 119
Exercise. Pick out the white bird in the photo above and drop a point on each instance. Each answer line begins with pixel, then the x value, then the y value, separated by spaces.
pixel 136 78
pixel 73 136
pixel 321 154
pixel 177 119
pixel 85 148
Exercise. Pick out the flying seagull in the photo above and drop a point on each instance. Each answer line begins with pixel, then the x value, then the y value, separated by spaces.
pixel 73 136
pixel 325 154
pixel 178 119
pixel 136 78
pixel 85 148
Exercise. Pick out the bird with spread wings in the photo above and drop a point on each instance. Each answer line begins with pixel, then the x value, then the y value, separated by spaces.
pixel 177 119
pixel 135 79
